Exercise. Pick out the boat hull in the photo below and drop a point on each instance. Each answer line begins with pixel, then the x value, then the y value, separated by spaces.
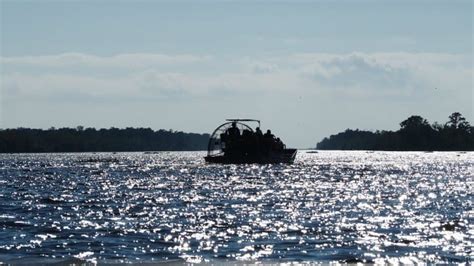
pixel 286 156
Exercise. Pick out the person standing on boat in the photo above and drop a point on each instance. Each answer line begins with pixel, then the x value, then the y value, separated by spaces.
pixel 233 139
pixel 234 131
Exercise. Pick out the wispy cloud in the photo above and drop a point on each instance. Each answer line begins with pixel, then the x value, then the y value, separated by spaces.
pixel 147 75
pixel 129 60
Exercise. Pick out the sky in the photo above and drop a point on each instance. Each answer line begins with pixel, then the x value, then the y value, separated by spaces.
pixel 306 69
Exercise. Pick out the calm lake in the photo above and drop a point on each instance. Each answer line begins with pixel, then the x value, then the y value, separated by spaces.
pixel 330 206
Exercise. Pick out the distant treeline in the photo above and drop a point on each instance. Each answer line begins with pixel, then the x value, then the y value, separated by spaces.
pixel 415 134
pixel 93 140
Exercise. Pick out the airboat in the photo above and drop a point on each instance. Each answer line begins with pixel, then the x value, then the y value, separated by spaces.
pixel 235 142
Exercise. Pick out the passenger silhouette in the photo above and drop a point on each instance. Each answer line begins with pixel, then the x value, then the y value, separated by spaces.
pixel 234 131
pixel 247 134
pixel 279 144
pixel 269 134
pixel 258 132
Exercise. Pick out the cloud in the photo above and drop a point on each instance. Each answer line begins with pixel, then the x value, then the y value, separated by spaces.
pixel 129 60
pixel 383 73
pixel 158 76
pixel 261 67
pixel 357 70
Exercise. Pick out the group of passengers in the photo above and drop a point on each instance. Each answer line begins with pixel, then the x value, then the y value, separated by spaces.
pixel 249 141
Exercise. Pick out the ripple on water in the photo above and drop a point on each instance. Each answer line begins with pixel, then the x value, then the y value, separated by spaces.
pixel 381 207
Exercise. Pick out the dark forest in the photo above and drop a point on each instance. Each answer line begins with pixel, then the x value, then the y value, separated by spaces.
pixel 415 134
pixel 93 140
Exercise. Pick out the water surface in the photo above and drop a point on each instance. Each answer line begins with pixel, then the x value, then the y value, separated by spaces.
pixel 336 206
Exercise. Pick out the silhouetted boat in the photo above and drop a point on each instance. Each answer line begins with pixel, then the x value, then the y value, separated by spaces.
pixel 230 146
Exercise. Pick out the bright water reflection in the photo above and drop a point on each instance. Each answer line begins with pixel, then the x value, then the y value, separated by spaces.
pixel 329 206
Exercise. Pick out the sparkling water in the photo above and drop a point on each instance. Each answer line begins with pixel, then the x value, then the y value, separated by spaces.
pixel 329 206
